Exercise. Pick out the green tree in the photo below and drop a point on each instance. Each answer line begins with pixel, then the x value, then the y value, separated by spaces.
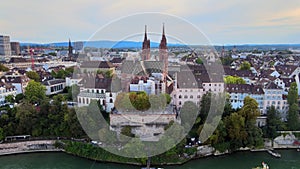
pixel 293 117
pixel 19 97
pixel 3 68
pixel 292 96
pixel 235 125
pixel 205 106
pixel 35 92
pixel 10 98
pixel 245 66
pixel 199 61
pixel 234 80
pixel 2 136
pixel 273 123
pixel 188 114
pixel 33 76
pixel 250 112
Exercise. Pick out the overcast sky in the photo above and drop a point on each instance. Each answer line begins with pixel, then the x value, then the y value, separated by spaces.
pixel 222 22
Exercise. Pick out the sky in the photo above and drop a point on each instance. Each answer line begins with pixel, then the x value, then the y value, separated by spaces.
pixel 221 22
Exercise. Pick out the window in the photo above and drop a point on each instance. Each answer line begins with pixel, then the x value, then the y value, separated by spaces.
pixel 180 97
pixel 110 95
pixel 191 96
pixel 185 96
pixel 179 103
pixel 110 100
pixel 198 96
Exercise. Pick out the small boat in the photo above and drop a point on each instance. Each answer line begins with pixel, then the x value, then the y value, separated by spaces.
pixel 264 166
pixel 274 154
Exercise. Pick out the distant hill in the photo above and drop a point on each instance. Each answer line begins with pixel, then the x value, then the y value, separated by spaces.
pixel 138 45
pixel 102 44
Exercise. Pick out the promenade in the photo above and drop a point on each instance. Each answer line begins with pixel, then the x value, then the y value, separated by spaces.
pixel 27 146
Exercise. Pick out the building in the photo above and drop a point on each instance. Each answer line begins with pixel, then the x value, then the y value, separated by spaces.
pixel 78 46
pixel 94 66
pixel 98 88
pixel 15 48
pixel 238 92
pixel 6 90
pixel 54 86
pixel 274 97
pixel 20 82
pixel 5 49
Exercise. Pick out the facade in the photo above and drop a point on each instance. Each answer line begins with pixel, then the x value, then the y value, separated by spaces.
pixel 15 48
pixel 238 92
pixel 54 86
pixel 6 90
pixel 97 88
pixel 5 49
pixel 19 82
pixel 274 97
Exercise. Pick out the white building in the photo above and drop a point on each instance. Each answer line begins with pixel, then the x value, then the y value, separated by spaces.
pixel 6 90
pixel 274 97
pixel 238 92
pixel 100 89
pixel 54 86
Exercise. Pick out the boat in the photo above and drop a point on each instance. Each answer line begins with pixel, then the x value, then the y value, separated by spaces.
pixel 264 166
pixel 274 153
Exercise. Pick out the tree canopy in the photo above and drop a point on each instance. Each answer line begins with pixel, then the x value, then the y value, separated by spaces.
pixel 245 66
pixel 234 80
pixel 35 92
pixel 33 76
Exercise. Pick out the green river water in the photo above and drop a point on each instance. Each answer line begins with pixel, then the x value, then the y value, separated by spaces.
pixel 242 160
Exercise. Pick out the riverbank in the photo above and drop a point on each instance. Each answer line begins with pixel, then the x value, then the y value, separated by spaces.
pixel 94 153
pixel 28 147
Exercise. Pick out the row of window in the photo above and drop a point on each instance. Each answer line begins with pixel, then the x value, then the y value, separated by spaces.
pixel 186 96
pixel 85 100
pixel 56 88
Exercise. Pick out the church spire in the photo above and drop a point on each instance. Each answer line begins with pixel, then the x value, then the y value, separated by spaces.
pixel 145 37
pixel 163 29
pixel 163 42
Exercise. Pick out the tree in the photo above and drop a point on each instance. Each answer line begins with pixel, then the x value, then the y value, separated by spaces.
pixel 293 94
pixel 35 92
pixel 3 68
pixel 19 97
pixel 199 61
pixel 188 114
pixel 293 117
pixel 205 106
pixel 245 66
pixel 10 98
pixel 250 110
pixel 126 131
pixel 1 134
pixel 33 76
pixel 235 125
pixel 234 80
pixel 273 123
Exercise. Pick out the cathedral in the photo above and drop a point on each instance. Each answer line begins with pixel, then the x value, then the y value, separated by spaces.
pixel 134 71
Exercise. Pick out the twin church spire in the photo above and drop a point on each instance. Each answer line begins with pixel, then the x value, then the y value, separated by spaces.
pixel 146 44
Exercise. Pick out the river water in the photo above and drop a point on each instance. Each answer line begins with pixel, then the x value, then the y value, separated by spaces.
pixel 290 159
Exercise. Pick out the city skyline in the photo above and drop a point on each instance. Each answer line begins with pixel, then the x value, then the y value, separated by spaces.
pixel 230 22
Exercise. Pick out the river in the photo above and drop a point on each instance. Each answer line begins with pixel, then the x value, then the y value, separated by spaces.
pixel 241 160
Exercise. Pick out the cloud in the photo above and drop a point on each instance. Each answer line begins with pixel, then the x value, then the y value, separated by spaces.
pixel 222 21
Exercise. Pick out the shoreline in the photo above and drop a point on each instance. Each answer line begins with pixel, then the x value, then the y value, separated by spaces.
pixel 58 150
